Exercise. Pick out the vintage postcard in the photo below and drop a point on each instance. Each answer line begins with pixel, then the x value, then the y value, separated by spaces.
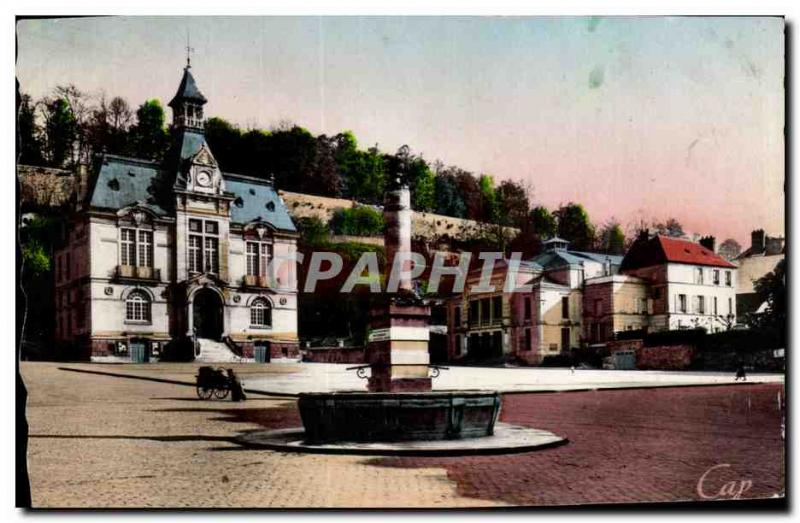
pixel 401 262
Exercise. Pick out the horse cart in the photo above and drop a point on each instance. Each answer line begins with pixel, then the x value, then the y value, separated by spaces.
pixel 212 382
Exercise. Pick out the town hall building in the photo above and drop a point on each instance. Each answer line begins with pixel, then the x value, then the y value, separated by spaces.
pixel 176 251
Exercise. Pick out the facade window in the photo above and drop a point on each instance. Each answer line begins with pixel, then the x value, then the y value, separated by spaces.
pixel 497 309
pixel 486 313
pixel 195 253
pixel 698 276
pixel 730 306
pixel 527 311
pixel 136 247
pixel 527 340
pixel 137 307
pixel 203 246
pixel 211 255
pixel 258 257
pixel 458 345
pixel 261 314
pixel 716 312
pixel 700 304
pixel 457 317
pixel 641 305
pixel 565 307
pixel 681 303
pixel 473 312
pixel 716 276
pixel 728 278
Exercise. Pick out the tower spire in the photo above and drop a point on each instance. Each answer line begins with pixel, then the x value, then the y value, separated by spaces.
pixel 189 50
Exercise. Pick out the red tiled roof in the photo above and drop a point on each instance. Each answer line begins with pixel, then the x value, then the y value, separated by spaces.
pixel 684 251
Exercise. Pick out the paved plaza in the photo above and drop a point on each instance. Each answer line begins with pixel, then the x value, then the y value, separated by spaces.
pixel 101 439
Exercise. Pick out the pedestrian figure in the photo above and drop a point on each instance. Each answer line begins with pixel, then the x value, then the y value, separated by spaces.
pixel 572 369
pixel 740 373
pixel 237 391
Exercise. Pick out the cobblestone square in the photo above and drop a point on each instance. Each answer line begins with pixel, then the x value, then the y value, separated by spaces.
pixel 107 441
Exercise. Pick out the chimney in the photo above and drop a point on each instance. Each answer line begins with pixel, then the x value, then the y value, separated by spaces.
pixel 709 243
pixel 757 241
pixel 644 235
pixel 773 245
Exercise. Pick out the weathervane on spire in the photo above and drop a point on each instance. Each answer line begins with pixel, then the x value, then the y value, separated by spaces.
pixel 189 50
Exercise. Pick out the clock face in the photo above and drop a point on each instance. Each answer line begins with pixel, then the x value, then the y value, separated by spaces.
pixel 203 178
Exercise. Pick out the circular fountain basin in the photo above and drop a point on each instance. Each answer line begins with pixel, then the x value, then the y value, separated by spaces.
pixel 398 416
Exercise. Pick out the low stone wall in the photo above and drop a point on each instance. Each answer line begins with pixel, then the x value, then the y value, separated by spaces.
pixel 664 357
pixel 334 355
pixel 668 357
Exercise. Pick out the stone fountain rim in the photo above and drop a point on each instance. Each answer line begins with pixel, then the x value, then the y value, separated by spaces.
pixel 507 439
pixel 409 394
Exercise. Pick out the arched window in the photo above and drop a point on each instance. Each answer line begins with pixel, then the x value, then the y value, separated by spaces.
pixel 137 307
pixel 261 313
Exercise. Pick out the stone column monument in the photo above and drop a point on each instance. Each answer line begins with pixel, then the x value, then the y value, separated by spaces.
pixel 397 349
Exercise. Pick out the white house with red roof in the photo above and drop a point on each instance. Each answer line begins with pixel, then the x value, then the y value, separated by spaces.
pixel 689 285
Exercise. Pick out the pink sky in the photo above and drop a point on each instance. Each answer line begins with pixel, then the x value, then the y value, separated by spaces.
pixel 632 117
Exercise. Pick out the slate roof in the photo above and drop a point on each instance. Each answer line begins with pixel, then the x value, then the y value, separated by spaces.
pixel 253 199
pixel 560 257
pixel 123 181
pixel 188 90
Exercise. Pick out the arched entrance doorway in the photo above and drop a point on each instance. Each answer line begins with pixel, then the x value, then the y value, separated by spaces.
pixel 207 314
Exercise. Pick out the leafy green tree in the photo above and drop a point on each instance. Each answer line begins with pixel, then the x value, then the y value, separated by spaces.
pixel 320 173
pixel 60 132
pixel 543 223
pixel 489 198
pixel 771 288
pixel 513 203
pixel 312 230
pixel 225 140
pixel 29 145
pixel 574 225
pixel 423 185
pixel 148 136
pixel 612 238
pixel 448 197
pixel 287 155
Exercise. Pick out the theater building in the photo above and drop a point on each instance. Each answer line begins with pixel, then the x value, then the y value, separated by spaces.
pixel 174 250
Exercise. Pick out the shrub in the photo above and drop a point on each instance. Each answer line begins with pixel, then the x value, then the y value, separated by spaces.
pixel 357 221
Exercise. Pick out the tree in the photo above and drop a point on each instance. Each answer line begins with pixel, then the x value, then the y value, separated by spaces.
pixel 771 288
pixel 80 108
pixel 225 139
pixel 148 136
pixel 424 195
pixel 574 225
pixel 612 238
pixel 488 198
pixel 448 198
pixel 543 223
pixel 730 249
pixel 107 126
pixel 671 227
pixel 29 145
pixel 60 131
pixel 513 203
pixel 320 173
